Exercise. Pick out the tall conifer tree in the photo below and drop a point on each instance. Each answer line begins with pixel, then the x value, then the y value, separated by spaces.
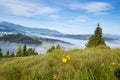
pixel 96 39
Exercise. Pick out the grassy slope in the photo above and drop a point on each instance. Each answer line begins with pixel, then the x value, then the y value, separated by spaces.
pixel 88 64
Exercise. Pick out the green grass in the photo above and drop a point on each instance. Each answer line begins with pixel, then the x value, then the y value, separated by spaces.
pixel 98 63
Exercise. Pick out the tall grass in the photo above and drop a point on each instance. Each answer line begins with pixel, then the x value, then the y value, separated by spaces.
pixel 98 63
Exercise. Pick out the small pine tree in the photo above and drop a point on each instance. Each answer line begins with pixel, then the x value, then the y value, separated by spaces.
pixel 31 51
pixel 24 50
pixel 19 52
pixel 7 54
pixel 1 54
pixel 12 54
pixel 58 47
pixel 96 39
pixel 51 49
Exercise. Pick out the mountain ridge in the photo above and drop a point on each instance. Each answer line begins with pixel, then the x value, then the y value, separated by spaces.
pixel 23 29
pixel 27 29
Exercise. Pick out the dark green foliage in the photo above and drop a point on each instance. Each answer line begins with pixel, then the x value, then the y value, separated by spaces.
pixel 19 38
pixel 51 49
pixel 58 47
pixel 117 73
pixel 12 54
pixel 19 52
pixel 96 39
pixel 31 51
pixel 1 54
pixel 24 50
pixel 7 54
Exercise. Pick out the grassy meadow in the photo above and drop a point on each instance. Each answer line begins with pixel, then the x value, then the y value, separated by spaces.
pixel 99 63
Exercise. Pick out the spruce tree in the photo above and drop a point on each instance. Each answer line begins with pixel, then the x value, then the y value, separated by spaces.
pixel 19 52
pixel 31 51
pixel 58 47
pixel 7 54
pixel 24 50
pixel 1 54
pixel 96 39
pixel 12 54
pixel 51 49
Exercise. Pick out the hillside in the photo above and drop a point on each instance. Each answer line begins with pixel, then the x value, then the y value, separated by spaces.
pixel 100 63
pixel 19 38
pixel 24 29
pixel 26 39
pixel 4 28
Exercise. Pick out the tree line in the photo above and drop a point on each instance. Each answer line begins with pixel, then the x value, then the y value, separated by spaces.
pixel 21 52
pixel 19 38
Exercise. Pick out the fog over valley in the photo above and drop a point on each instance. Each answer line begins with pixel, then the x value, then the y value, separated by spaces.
pixel 42 48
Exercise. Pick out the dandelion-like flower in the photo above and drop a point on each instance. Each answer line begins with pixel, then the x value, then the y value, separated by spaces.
pixel 54 77
pixel 113 63
pixel 68 57
pixel 64 60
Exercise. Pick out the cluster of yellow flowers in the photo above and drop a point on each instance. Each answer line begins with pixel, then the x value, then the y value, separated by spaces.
pixel 64 60
pixel 54 77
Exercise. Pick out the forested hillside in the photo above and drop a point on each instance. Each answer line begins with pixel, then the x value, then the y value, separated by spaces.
pixel 19 38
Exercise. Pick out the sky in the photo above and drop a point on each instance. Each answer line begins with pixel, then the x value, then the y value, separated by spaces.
pixel 66 16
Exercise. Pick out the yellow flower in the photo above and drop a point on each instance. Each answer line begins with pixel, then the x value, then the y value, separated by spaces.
pixel 64 60
pixel 54 77
pixel 68 57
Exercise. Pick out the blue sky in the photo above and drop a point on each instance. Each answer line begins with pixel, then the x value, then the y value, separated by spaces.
pixel 66 16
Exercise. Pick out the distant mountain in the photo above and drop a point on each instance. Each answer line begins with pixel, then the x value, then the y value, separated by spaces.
pixel 112 36
pixel 107 37
pixel 10 27
pixel 25 39
pixel 4 28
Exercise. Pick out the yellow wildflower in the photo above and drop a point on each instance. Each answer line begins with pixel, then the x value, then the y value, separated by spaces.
pixel 68 57
pixel 64 60
pixel 54 77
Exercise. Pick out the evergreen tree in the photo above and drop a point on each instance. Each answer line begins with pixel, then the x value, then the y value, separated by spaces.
pixel 31 51
pixel 19 52
pixel 51 49
pixel 7 54
pixel 58 47
pixel 96 39
pixel 1 54
pixel 12 54
pixel 24 50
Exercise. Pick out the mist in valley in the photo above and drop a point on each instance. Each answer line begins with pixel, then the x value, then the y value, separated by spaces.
pixel 42 49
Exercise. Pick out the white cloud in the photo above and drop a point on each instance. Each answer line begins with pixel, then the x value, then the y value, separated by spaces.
pixel 54 16
pixel 82 18
pixel 101 13
pixel 21 8
pixel 91 6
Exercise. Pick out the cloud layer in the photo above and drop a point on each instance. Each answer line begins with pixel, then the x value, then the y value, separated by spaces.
pixel 94 7
pixel 20 8
pixel 82 18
